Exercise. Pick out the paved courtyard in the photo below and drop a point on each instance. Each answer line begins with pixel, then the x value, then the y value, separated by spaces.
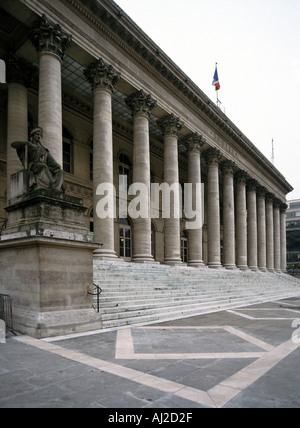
pixel 247 357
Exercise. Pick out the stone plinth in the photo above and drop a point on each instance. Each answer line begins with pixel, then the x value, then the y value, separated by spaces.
pixel 46 213
pixel 46 263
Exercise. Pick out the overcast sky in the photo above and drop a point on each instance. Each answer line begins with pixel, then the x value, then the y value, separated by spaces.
pixel 256 45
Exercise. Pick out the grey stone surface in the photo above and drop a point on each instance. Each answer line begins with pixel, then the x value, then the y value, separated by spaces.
pixel 83 371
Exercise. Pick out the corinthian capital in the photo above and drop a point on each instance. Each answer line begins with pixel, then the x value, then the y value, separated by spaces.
pixel 49 37
pixel 213 156
pixel 101 75
pixel 194 143
pixel 170 125
pixel 228 167
pixel 140 103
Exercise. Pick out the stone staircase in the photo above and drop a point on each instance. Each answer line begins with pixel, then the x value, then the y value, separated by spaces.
pixel 140 294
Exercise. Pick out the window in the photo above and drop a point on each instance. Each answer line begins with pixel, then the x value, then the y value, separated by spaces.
pixel 295 205
pixel 125 239
pixel 91 160
pixel 152 240
pixel 92 221
pixel 67 151
pixel 124 169
pixel 184 246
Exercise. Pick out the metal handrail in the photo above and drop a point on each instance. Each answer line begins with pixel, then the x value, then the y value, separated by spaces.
pixel 97 294
pixel 6 311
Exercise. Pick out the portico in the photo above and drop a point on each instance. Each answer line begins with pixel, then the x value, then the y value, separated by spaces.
pixel 134 104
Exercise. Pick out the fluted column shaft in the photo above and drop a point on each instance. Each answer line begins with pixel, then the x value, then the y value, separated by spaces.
pixel 283 208
pixel 252 225
pixel 277 244
pixel 170 126
pixel 17 127
pixel 261 230
pixel 50 42
pixel 102 78
pixel 241 221
pixel 213 157
pixel 194 143
pixel 141 104
pixel 270 233
pixel 229 262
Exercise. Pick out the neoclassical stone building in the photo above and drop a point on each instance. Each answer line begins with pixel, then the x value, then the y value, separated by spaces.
pixel 112 103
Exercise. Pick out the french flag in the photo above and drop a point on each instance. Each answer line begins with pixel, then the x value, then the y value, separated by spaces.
pixel 216 82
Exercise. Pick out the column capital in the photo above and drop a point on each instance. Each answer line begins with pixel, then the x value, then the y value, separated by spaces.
pixel 49 37
pixel 228 167
pixel 283 207
pixel 19 71
pixel 270 198
pixel 194 143
pixel 140 103
pixel 262 191
pixel 213 156
pixel 101 75
pixel 170 125
pixel 252 184
pixel 241 177
pixel 277 203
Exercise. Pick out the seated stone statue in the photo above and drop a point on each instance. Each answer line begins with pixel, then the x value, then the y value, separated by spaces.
pixel 44 171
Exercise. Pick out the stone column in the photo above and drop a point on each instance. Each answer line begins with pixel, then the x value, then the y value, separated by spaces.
pixel 261 229
pixel 252 225
pixel 213 157
pixel 241 221
pixel 170 127
pixel 50 42
pixel 283 208
pixel 194 143
pixel 270 232
pixel 17 113
pixel 277 244
pixel 141 104
pixel 102 78
pixel 229 261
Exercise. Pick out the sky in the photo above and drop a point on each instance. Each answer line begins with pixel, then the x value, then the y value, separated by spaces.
pixel 256 45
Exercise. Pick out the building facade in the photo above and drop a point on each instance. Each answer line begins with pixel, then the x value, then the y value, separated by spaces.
pixel 111 105
pixel 293 234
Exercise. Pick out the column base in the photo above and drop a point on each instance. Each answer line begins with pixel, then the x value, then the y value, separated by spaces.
pixel 253 268
pixel 263 269
pixel 196 264
pixel 173 262
pixel 143 258
pixel 102 254
pixel 215 266
pixel 230 267
pixel 243 268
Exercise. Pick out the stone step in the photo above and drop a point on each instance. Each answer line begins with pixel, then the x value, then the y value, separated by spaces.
pixel 134 294
pixel 114 307
pixel 172 315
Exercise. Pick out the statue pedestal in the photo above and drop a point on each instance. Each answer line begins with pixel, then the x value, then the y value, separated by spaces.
pixel 46 264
